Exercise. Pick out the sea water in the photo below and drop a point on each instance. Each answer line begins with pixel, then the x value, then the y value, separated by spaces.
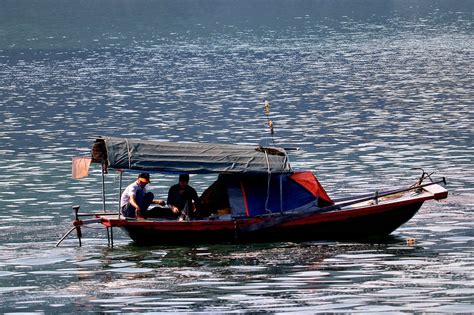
pixel 370 91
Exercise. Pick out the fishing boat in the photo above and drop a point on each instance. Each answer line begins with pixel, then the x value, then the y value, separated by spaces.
pixel 257 196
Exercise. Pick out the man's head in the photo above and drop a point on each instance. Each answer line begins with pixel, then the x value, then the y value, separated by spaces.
pixel 183 180
pixel 143 178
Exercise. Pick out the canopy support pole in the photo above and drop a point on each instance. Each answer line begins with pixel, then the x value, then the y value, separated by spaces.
pixel 103 188
pixel 103 200
pixel 120 194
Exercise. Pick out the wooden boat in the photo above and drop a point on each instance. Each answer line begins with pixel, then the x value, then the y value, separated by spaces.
pixel 257 197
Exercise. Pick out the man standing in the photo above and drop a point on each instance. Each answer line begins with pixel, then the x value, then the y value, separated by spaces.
pixel 135 198
pixel 181 197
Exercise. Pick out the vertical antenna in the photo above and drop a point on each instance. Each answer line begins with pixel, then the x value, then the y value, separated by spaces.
pixel 266 107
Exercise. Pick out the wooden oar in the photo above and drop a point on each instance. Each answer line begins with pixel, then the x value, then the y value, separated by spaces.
pixel 280 219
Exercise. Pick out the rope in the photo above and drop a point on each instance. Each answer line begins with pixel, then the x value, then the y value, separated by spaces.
pixel 129 155
pixel 268 182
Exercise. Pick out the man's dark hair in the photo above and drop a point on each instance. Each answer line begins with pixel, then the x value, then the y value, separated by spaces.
pixel 145 176
pixel 184 178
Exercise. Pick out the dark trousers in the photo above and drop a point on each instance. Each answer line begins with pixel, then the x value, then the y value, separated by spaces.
pixel 129 211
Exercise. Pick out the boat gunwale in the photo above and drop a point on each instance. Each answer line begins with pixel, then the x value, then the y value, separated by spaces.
pixel 316 217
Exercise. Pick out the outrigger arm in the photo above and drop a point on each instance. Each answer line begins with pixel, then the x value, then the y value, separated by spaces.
pixel 77 223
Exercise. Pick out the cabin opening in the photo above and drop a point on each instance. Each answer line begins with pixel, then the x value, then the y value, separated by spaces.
pixel 256 194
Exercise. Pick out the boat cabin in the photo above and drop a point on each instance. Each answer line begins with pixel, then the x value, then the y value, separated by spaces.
pixel 251 180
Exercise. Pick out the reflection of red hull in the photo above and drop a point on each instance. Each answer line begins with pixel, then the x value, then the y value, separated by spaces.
pixel 361 220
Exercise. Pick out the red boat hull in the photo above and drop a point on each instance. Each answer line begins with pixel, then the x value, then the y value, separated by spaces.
pixel 368 222
pixel 356 220
pixel 348 226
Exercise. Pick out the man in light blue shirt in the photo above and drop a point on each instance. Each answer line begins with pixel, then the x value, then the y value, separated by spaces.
pixel 136 199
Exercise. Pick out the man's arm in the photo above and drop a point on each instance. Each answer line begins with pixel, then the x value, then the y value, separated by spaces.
pixel 133 202
pixel 171 200
pixel 159 202
pixel 195 198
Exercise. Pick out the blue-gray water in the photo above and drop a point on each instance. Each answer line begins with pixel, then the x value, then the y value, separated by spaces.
pixel 368 89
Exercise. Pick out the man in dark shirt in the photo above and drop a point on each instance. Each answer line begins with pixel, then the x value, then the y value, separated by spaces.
pixel 181 197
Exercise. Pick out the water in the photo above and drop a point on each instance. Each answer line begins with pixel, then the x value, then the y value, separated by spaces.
pixel 369 90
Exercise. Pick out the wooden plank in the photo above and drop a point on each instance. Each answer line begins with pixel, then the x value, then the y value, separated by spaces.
pixel 438 192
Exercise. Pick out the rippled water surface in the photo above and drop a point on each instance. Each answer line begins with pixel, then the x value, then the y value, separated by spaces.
pixel 369 90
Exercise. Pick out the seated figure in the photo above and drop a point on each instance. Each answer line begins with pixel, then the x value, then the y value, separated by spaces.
pixel 183 199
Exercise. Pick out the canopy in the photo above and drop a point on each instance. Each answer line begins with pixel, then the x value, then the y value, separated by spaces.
pixel 197 158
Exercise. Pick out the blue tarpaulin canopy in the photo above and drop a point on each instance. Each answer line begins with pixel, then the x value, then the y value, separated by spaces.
pixel 197 158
